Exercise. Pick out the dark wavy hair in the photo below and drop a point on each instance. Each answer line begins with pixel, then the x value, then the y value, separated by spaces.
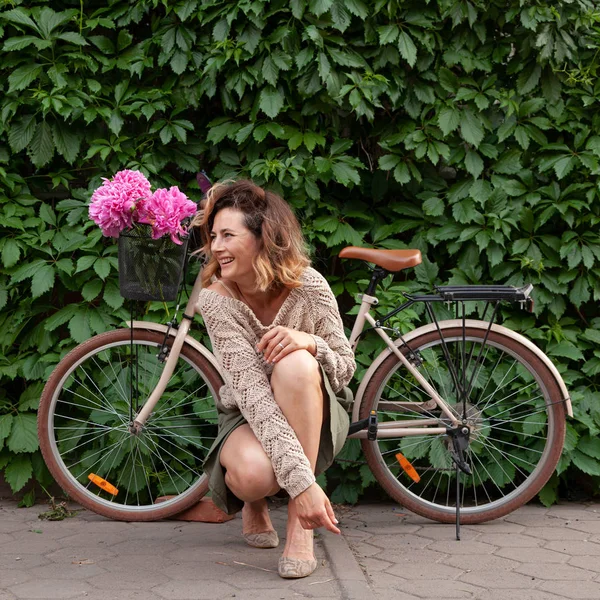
pixel 282 255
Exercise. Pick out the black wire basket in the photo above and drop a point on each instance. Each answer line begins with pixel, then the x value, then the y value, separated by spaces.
pixel 150 269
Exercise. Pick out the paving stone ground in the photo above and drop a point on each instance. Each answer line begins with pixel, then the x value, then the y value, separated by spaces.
pixel 534 553
pixel 384 552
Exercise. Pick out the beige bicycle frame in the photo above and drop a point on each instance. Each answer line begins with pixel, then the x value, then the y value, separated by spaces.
pixel 395 429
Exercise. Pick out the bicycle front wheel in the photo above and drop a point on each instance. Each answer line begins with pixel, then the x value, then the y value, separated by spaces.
pixel 514 413
pixel 83 426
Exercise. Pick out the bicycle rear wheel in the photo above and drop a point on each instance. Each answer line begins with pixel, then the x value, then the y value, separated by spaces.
pixel 514 412
pixel 83 426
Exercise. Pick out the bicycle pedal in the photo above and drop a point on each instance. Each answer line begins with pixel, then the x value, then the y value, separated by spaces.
pixel 372 426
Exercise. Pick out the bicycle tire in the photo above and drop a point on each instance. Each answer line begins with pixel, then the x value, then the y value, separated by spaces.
pixel 517 436
pixel 83 419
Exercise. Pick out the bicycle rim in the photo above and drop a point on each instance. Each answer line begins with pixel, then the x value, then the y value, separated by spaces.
pixel 84 418
pixel 513 410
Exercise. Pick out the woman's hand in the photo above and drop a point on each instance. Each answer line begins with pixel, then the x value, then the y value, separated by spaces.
pixel 281 341
pixel 314 509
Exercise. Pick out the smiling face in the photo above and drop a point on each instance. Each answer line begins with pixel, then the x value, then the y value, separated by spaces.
pixel 234 246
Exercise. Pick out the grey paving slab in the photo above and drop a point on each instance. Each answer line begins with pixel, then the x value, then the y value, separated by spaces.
pixel 530 554
pixel 574 590
pixel 553 572
pixel 384 552
pixel 51 588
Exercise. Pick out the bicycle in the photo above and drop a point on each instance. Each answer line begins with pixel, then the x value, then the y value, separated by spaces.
pixel 126 417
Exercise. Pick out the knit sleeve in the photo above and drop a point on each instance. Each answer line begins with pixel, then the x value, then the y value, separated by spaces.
pixel 333 348
pixel 245 377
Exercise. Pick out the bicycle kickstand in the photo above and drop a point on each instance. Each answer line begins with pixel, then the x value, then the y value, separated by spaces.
pixel 460 442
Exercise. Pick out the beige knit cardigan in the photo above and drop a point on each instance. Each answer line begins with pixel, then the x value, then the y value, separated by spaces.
pixel 235 330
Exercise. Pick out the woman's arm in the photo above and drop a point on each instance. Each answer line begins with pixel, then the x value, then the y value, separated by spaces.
pixel 333 349
pixel 245 377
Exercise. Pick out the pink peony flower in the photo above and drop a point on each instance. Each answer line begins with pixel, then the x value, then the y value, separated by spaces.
pixel 164 210
pixel 115 203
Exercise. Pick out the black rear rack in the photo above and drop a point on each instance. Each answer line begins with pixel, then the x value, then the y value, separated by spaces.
pixel 507 293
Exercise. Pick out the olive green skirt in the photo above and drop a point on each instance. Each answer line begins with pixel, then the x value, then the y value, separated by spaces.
pixel 333 435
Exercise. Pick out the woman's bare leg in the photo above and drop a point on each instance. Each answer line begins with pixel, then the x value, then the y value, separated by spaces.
pixel 296 383
pixel 250 477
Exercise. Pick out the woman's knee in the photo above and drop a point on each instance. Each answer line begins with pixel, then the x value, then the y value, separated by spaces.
pixel 250 476
pixel 298 369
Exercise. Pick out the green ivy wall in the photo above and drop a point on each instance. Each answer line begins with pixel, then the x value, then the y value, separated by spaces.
pixel 468 129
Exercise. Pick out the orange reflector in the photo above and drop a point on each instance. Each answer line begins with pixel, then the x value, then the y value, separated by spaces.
pixel 408 468
pixel 102 483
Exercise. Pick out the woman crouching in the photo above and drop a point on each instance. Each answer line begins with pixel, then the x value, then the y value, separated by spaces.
pixel 278 336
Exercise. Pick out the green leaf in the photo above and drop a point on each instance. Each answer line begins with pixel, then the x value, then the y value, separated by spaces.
pixel 23 435
pixel 47 214
pixel 102 268
pixel 564 166
pixel 388 34
pixel 509 162
pixel 20 16
pixel 590 446
pixel 60 317
pixel 587 464
pixel 18 472
pixel 358 8
pixel 345 174
pixel 271 101
pixel 42 281
pixel 21 133
pixel 11 251
pixel 402 173
pixel 20 78
pixel 79 326
pixel 319 7
pixel 473 163
pixel 471 128
pixel 593 335
pixel 85 262
pixel 91 290
pixel 566 350
pixel 580 292
pixel 270 71
pixel 27 270
pixel 67 141
pixel 5 427
pixel 30 398
pixel 407 48
pixel 549 493
pixel 433 206
pixel 448 119
pixel 112 296
pixel 73 38
pixel 42 145
pixel 389 161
